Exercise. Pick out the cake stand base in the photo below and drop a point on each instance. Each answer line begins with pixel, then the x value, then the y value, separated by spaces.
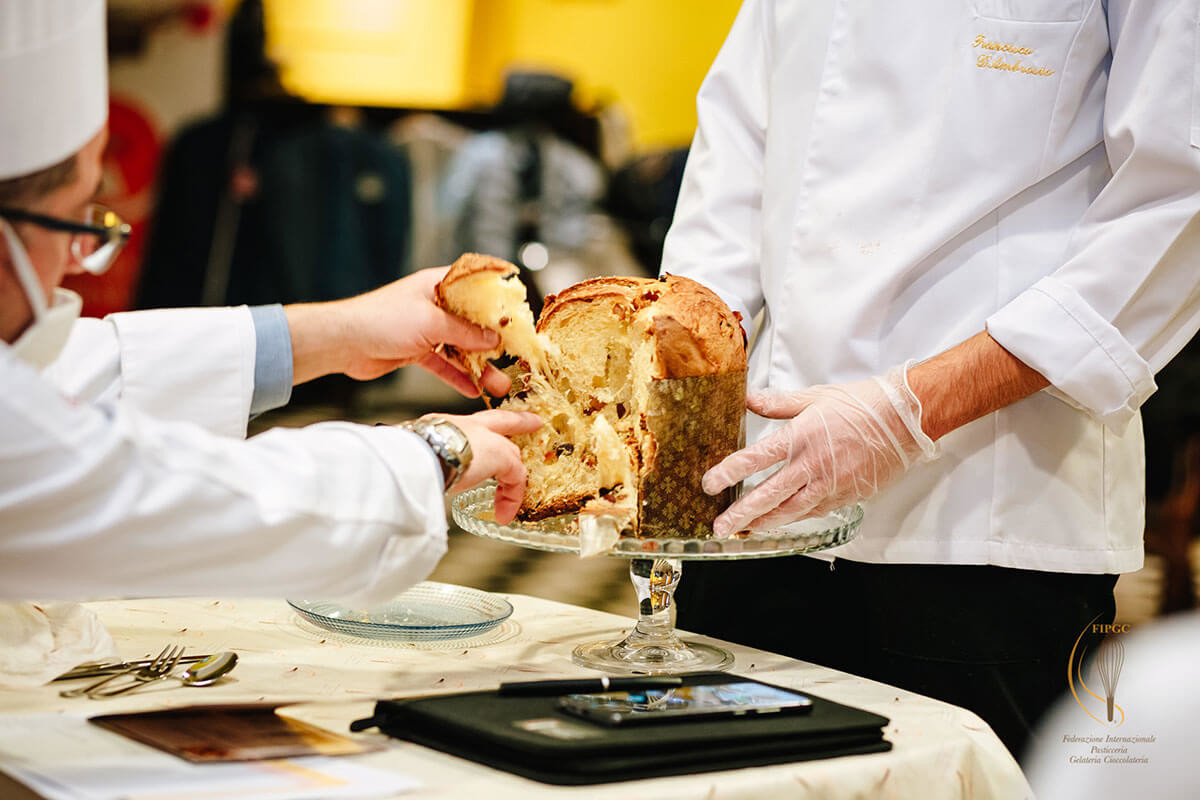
pixel 617 657
pixel 653 647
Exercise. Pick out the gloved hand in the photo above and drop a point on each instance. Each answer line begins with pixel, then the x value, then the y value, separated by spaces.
pixel 842 444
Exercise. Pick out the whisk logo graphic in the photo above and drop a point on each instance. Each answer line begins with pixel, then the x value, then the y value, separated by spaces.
pixel 1104 642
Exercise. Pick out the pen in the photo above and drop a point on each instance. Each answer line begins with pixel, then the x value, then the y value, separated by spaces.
pixel 586 685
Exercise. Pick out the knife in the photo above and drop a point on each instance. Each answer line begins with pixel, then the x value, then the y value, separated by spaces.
pixel 96 670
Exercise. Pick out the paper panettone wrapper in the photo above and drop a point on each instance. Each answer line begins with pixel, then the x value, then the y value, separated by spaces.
pixel 695 423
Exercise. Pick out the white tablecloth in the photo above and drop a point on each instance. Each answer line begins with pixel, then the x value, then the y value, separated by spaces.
pixel 939 750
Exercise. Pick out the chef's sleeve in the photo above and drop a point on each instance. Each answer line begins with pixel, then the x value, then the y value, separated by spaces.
pixel 272 358
pixel 1127 296
pixel 106 500
pixel 211 366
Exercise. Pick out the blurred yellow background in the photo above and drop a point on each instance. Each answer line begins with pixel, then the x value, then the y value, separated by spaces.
pixel 647 55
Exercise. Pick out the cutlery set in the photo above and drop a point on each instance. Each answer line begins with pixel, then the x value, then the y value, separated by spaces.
pixel 128 676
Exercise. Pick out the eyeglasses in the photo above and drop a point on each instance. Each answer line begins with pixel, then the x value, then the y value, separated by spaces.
pixel 97 239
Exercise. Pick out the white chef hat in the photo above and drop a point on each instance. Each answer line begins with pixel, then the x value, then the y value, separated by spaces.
pixel 53 81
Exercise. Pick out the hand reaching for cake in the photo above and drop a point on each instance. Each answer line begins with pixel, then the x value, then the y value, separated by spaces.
pixel 841 444
pixel 494 456
pixel 393 326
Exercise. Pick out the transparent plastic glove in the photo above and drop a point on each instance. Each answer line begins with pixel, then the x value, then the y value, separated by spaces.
pixel 842 443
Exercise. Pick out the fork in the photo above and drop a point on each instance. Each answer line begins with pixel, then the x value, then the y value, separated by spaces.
pixel 156 670
pixel 160 666
pixel 79 691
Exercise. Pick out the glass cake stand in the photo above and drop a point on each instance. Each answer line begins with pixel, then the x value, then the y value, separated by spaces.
pixel 655 567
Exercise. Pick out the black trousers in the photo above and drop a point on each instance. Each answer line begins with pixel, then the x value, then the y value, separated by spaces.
pixel 990 639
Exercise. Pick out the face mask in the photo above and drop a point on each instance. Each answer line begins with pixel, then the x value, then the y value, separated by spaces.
pixel 46 336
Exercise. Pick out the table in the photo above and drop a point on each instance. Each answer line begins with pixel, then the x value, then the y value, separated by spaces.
pixel 939 750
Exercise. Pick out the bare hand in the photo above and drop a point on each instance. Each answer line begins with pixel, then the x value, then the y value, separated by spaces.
pixel 393 326
pixel 494 456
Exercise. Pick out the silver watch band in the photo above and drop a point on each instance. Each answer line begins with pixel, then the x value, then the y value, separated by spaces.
pixel 448 443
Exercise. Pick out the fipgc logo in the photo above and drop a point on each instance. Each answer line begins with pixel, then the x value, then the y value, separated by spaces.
pixel 1096 693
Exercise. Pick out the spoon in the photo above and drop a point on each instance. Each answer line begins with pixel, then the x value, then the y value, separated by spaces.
pixel 210 670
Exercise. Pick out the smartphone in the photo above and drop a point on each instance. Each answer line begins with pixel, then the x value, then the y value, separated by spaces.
pixel 684 703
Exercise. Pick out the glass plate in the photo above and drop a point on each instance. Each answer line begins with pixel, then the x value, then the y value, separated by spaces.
pixel 473 511
pixel 427 612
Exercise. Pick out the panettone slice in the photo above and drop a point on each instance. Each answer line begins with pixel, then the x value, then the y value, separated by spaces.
pixel 488 291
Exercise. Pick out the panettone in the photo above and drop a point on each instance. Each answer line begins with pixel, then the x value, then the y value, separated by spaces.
pixel 641 383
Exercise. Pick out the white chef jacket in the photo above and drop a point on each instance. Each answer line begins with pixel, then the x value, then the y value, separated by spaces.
pixel 885 179
pixel 124 471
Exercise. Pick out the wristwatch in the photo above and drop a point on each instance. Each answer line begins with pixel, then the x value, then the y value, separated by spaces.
pixel 448 443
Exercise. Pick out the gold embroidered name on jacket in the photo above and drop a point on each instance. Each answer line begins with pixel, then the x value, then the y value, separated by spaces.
pixel 989 61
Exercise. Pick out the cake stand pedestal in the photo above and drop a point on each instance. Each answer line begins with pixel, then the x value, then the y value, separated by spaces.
pixel 655 567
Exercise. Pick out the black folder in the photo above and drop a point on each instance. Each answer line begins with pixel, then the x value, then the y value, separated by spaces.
pixel 530 736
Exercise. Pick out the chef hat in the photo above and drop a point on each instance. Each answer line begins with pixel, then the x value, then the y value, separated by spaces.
pixel 53 81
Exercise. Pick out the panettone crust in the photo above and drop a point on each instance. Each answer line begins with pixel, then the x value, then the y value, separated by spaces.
pixel 466 266
pixel 561 505
pixel 470 264
pixel 695 332
pixel 717 329
pixel 622 285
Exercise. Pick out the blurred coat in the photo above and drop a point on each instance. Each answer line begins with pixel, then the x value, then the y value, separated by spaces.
pixel 257 207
